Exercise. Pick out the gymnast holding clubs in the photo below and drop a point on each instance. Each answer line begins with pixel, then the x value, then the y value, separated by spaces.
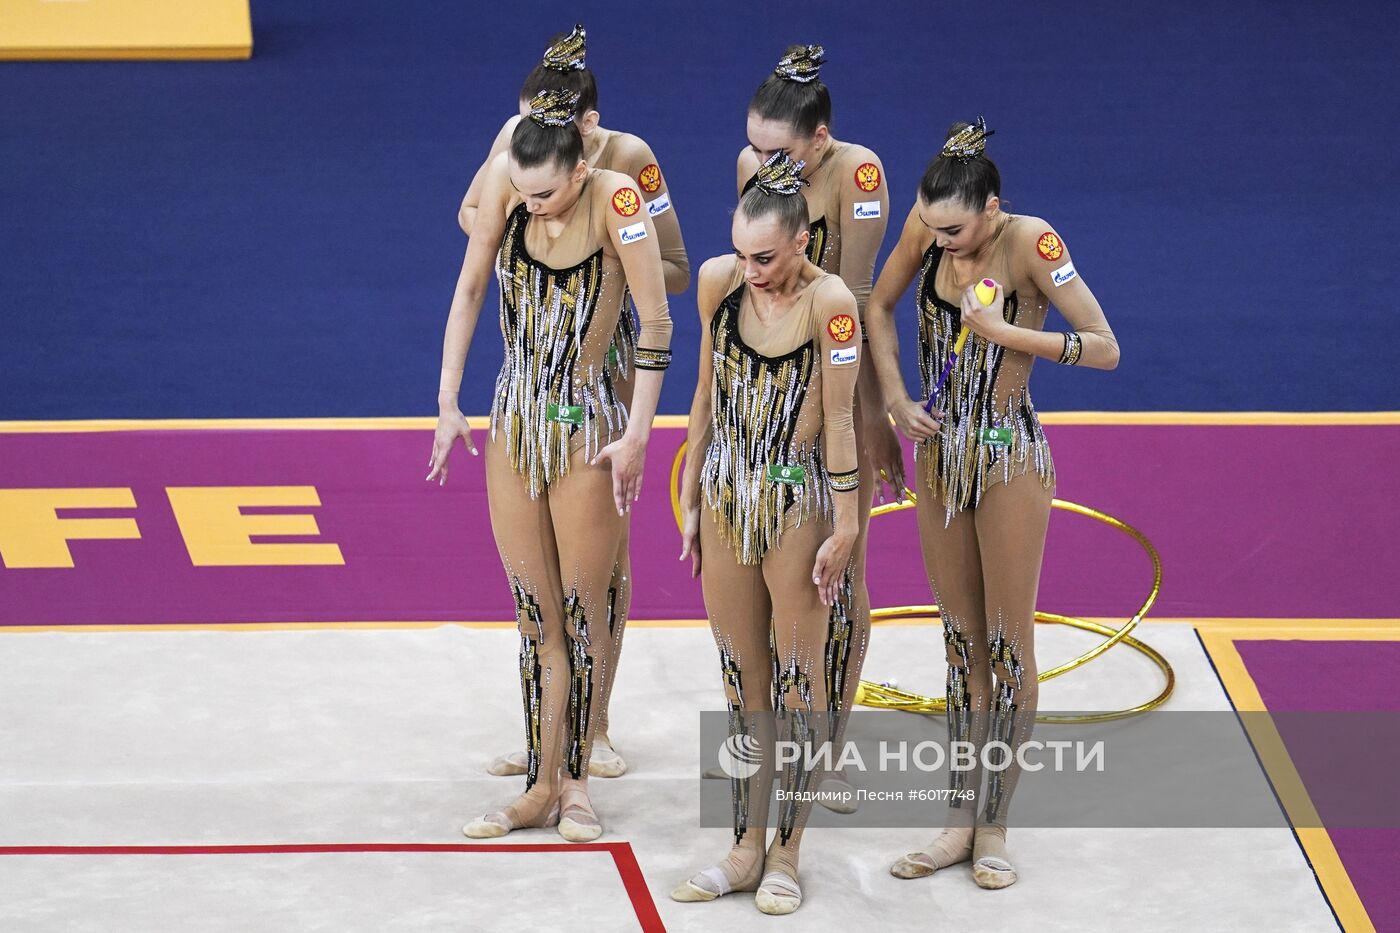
pixel 984 475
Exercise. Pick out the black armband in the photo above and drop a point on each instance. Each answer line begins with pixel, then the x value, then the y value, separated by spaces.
pixel 645 358
pixel 844 482
pixel 1074 345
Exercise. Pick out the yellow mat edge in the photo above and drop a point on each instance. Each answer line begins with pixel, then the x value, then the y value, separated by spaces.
pixel 1219 641
pixel 219 53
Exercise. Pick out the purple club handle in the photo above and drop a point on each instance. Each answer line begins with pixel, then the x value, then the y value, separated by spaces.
pixel 942 380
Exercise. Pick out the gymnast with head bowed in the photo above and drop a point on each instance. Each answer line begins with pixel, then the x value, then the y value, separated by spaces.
pixel 984 476
pixel 564 68
pixel 564 458
pixel 848 210
pixel 769 500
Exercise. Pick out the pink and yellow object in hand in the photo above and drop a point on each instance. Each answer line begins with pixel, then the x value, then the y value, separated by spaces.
pixel 986 291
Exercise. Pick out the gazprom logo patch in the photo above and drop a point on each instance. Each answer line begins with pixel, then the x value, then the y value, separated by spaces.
pixel 1063 274
pixel 633 233
pixel 867 209
pixel 659 206
pixel 844 356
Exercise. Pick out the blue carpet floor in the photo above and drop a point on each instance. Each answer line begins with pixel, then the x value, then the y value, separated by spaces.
pixel 277 237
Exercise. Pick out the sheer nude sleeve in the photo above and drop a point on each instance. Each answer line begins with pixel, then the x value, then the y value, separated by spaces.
pixel 865 210
pixel 641 164
pixel 634 238
pixel 1044 255
pixel 836 330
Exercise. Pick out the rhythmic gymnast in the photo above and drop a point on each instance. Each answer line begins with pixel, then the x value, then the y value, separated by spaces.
pixel 565 456
pixel 848 208
pixel 564 68
pixel 769 501
pixel 984 474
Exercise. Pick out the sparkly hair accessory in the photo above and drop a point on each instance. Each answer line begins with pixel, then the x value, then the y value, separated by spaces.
pixel 803 64
pixel 967 143
pixel 554 108
pixel 567 54
pixel 780 175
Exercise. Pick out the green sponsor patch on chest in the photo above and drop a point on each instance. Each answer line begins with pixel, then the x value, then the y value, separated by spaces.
pixel 564 414
pixel 995 437
pixel 792 475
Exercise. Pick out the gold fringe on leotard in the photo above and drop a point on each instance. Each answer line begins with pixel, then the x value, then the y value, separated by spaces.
pixel 545 314
pixel 958 462
pixel 756 401
pixel 816 245
pixel 622 353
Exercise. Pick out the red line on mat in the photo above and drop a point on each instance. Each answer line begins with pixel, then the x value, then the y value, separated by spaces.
pixel 636 887
pixel 623 858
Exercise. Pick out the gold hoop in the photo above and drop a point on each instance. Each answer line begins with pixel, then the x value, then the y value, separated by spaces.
pixel 882 697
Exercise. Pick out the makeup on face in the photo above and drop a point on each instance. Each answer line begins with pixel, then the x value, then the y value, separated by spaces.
pixel 765 253
pixel 956 228
pixel 546 189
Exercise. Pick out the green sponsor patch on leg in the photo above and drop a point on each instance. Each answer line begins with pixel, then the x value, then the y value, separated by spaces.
pixel 792 475
pixel 996 437
pixel 565 414
pixel 612 355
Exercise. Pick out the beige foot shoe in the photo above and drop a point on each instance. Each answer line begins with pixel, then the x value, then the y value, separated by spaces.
pixel 706 886
pixel 580 827
pixel 488 827
pixel 578 824
pixel 991 868
pixel 605 762
pixel 992 873
pixel 950 848
pixel 495 825
pixel 778 894
pixel 508 765
pixel 714 881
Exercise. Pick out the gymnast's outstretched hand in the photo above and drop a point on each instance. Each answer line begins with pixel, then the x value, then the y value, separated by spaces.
pixel 451 425
pixel 627 457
